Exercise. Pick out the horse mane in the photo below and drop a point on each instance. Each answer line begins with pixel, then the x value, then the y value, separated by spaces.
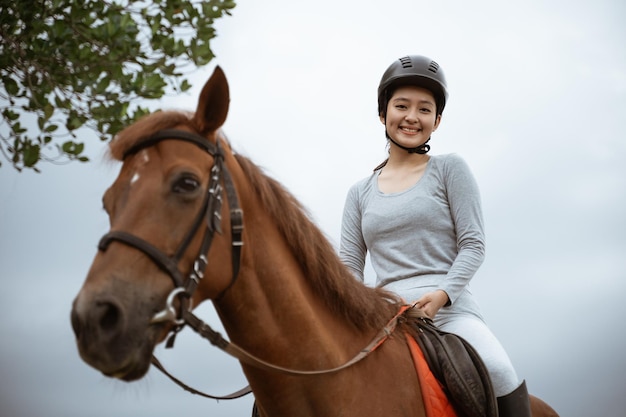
pixel 366 308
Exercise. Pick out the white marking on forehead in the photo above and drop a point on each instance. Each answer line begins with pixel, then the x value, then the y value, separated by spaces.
pixel 144 156
pixel 144 160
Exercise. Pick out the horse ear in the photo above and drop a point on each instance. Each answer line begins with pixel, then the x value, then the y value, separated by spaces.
pixel 213 103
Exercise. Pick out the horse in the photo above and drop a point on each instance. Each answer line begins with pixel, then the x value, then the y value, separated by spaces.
pixel 297 317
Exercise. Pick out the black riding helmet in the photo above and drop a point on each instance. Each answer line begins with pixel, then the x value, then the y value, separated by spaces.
pixel 413 70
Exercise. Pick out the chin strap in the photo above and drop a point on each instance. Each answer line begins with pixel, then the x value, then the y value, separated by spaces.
pixel 422 149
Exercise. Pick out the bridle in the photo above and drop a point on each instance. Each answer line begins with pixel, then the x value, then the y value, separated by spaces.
pixel 210 213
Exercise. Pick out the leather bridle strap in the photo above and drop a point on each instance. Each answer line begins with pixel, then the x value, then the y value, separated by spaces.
pixel 236 230
pixel 211 212
pixel 167 264
pixel 173 134
pixel 238 394
pixel 216 339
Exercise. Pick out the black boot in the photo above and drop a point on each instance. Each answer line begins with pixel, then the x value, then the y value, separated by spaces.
pixel 515 404
pixel 255 410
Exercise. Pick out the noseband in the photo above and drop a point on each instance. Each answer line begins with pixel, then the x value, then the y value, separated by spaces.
pixel 210 211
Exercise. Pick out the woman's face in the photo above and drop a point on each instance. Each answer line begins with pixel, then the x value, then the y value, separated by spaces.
pixel 411 116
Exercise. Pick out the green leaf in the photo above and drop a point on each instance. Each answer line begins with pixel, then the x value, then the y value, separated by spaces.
pixel 72 148
pixel 17 128
pixel 68 147
pixel 30 155
pixel 79 148
pixel 48 111
pixel 74 120
pixel 11 86
pixel 10 114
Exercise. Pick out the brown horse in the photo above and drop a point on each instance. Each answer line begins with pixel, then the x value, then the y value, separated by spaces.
pixel 276 282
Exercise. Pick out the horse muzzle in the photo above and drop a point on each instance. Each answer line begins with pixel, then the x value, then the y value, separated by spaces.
pixel 108 341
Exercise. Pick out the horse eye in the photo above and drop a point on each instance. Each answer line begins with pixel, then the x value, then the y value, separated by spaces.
pixel 185 185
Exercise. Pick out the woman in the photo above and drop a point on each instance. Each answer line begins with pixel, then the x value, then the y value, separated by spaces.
pixel 420 218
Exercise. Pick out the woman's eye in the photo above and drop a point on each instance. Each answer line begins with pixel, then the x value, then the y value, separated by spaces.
pixel 186 185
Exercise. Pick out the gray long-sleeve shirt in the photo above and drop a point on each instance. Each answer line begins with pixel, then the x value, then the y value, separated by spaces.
pixel 431 233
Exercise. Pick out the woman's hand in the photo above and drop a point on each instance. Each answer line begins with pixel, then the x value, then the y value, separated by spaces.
pixel 431 302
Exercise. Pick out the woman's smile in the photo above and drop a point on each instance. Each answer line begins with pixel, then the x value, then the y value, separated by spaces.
pixel 410 130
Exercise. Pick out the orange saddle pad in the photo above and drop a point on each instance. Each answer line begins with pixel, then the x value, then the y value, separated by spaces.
pixel 435 400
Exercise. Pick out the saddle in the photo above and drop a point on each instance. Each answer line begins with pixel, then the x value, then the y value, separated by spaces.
pixel 457 367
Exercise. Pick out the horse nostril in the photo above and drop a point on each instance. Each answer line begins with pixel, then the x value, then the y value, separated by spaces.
pixel 109 316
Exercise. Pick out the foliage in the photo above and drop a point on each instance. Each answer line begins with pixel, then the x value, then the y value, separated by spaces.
pixel 69 64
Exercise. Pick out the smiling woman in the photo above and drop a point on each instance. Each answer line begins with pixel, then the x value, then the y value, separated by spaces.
pixel 420 218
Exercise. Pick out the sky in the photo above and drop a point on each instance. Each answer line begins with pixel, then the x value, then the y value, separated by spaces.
pixel 537 106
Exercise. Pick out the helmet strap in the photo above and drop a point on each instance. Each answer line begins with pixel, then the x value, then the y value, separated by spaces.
pixel 422 149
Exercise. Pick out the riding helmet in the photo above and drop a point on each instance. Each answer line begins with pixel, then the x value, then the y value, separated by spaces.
pixel 413 70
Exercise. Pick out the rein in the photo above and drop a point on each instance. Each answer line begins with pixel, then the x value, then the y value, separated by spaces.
pixel 216 339
pixel 184 289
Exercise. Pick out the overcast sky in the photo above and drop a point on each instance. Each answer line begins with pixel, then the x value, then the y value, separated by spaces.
pixel 537 108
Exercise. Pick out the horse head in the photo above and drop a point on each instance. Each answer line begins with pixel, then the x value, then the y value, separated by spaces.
pixel 166 208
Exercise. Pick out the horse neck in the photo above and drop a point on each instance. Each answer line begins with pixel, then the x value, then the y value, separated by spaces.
pixel 273 307
pixel 273 311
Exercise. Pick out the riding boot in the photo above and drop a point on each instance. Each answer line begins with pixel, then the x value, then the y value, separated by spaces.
pixel 255 410
pixel 515 404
